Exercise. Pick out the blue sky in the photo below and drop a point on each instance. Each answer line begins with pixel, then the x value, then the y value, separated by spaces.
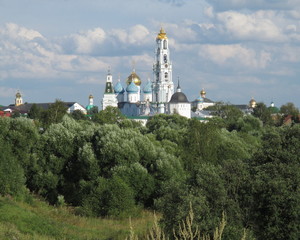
pixel 235 49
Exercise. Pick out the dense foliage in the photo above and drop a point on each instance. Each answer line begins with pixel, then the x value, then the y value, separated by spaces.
pixel 110 166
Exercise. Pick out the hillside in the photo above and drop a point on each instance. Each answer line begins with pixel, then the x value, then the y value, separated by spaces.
pixel 38 220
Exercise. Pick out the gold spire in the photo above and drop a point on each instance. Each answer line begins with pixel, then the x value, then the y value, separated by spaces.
pixel 162 34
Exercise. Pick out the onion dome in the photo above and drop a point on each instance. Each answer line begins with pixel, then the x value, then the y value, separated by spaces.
pixel 132 88
pixel 148 87
pixel 91 96
pixel 252 103
pixel 133 77
pixel 273 109
pixel 199 99
pixel 162 34
pixel 18 95
pixel 119 88
pixel 202 93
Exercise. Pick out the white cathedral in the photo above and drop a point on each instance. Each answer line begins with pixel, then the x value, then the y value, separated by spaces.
pixel 157 96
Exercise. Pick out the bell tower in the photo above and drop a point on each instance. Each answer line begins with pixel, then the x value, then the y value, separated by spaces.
pixel 109 97
pixel 162 68
pixel 18 99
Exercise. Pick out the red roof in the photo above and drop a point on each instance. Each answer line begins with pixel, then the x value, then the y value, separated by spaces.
pixel 5 114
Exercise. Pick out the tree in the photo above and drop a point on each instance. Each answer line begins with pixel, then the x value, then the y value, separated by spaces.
pixel 229 113
pixel 78 115
pixel 290 109
pixel 111 115
pixel 262 112
pixel 109 197
pixel 35 112
pixel 275 185
pixel 54 113
pixel 12 178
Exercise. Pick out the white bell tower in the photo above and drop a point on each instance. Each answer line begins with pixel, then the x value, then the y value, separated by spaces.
pixel 109 97
pixel 162 69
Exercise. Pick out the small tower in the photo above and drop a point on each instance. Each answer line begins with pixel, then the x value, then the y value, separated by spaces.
pixel 200 101
pixel 109 98
pixel 91 100
pixel 91 103
pixel 18 100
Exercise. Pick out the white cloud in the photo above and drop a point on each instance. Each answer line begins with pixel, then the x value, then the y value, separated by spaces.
pixel 14 31
pixel 256 26
pixel 235 56
pixel 86 42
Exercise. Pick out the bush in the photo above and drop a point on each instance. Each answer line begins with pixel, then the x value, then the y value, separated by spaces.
pixel 11 174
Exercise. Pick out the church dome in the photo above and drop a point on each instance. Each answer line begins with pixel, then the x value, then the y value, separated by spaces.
pixel 132 88
pixel 148 87
pixel 91 96
pixel 133 77
pixel 162 34
pixel 179 97
pixel 18 95
pixel 119 88
pixel 252 103
pixel 199 99
pixel 202 93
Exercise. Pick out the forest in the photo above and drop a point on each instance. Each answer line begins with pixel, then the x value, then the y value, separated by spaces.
pixel 243 167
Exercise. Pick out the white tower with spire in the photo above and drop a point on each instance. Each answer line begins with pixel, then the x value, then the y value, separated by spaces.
pixel 109 98
pixel 163 87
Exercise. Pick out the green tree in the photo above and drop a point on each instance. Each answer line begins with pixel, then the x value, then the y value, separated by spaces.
pixel 290 109
pixel 111 115
pixel 12 178
pixel 262 112
pixel 78 115
pixel 109 197
pixel 54 113
pixel 276 181
pixel 35 112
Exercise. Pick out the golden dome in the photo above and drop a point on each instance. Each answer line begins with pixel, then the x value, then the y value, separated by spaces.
pixel 202 92
pixel 133 77
pixel 91 96
pixel 252 103
pixel 18 95
pixel 162 34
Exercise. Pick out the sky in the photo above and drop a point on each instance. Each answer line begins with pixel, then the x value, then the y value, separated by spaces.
pixel 234 49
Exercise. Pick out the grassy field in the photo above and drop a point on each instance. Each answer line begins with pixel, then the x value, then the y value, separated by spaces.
pixel 39 221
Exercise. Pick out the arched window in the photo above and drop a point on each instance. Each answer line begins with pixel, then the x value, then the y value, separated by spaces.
pixel 165 44
pixel 166 75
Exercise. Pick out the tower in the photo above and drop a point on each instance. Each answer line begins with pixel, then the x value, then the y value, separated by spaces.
pixel 18 100
pixel 109 98
pixel 162 69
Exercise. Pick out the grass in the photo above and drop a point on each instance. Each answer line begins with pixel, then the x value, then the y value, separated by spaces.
pixel 38 220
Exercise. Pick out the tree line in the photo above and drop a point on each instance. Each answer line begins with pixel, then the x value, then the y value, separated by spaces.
pixel 107 165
